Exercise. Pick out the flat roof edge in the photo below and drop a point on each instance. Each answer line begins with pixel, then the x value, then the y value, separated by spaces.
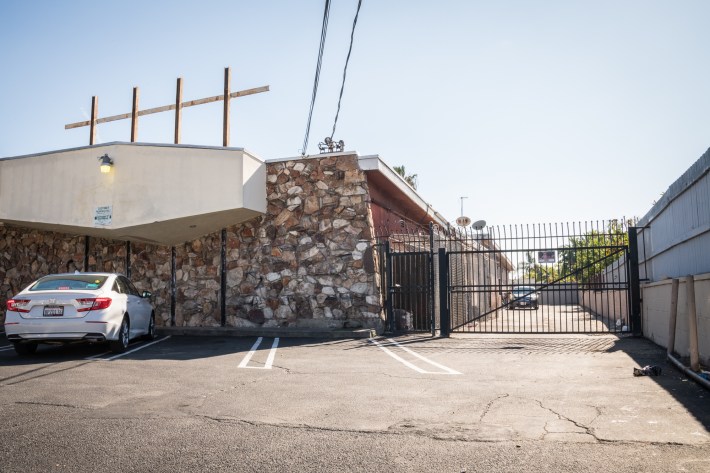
pixel 375 163
pixel 128 143
pixel 312 156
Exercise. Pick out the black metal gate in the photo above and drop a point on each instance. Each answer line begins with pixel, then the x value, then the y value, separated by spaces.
pixel 408 275
pixel 553 278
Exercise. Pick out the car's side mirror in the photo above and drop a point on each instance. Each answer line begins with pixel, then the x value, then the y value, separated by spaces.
pixel 146 294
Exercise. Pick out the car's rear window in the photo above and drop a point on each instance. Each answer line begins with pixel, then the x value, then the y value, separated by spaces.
pixel 68 283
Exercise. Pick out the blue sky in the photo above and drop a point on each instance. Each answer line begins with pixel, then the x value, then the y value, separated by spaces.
pixel 537 111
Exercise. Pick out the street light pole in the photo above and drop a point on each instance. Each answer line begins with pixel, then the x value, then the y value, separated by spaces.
pixel 462 198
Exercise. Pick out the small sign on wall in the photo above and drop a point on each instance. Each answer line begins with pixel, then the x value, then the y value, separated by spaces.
pixel 545 256
pixel 102 215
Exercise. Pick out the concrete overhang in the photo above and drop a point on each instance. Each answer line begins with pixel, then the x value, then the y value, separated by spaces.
pixel 154 193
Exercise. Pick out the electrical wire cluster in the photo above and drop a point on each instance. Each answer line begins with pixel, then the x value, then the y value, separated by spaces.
pixel 319 62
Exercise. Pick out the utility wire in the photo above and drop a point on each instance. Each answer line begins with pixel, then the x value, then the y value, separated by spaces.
pixel 345 70
pixel 324 29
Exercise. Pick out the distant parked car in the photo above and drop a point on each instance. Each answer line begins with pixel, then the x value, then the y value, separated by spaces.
pixel 79 307
pixel 523 297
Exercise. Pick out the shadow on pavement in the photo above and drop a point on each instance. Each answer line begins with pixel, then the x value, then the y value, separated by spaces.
pixel 688 393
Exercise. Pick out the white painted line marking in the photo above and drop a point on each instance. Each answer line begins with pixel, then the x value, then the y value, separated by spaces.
pixel 431 362
pixel 272 354
pixel 246 359
pixel 135 349
pixel 411 365
pixel 269 359
pixel 6 348
pixel 97 356
pixel 398 358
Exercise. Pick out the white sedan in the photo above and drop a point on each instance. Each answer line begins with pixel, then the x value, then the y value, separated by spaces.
pixel 89 307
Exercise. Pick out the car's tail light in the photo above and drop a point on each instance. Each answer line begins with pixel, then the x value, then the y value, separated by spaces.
pixel 18 305
pixel 97 303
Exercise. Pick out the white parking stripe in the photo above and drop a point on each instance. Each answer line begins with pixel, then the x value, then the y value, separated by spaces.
pixel 134 350
pixel 269 359
pixel 272 354
pixel 97 356
pixel 6 348
pixel 246 359
pixel 431 362
pixel 411 365
pixel 398 358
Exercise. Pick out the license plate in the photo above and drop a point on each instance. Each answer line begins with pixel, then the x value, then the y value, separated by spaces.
pixel 53 310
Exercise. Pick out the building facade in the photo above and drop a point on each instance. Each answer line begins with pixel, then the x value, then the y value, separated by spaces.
pixel 219 237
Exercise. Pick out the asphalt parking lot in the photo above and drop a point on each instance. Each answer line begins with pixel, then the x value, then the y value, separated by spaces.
pixel 411 403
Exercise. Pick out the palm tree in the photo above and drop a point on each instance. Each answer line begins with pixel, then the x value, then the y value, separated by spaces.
pixel 409 179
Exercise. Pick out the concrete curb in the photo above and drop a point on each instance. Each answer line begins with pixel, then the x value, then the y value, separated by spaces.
pixel 266 332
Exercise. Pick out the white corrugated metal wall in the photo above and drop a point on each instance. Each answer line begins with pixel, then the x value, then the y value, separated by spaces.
pixel 674 243
pixel 676 240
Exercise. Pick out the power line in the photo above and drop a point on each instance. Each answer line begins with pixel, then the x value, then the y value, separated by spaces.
pixel 324 29
pixel 345 70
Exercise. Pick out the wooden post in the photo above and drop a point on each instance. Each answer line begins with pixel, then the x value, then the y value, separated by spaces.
pixel 225 130
pixel 674 316
pixel 178 110
pixel 177 106
pixel 94 114
pixel 692 324
pixel 134 116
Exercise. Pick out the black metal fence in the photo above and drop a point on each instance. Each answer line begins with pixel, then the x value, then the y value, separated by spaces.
pixel 551 278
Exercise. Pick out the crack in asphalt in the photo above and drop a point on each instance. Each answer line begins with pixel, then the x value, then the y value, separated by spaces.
pixel 588 430
pixel 53 404
pixel 287 370
pixel 416 378
pixel 599 413
pixel 489 406
pixel 434 435
pixel 252 423
pixel 395 429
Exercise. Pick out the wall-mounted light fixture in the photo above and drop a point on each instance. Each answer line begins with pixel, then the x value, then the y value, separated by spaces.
pixel 106 163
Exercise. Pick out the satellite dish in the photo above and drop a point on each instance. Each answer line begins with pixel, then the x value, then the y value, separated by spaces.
pixel 479 225
pixel 463 221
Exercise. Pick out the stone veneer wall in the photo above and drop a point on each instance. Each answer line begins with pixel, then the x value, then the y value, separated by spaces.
pixel 151 271
pixel 308 262
pixel 198 282
pixel 25 254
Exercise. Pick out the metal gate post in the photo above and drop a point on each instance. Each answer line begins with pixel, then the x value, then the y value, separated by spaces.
pixel 634 282
pixel 444 319
pixel 431 287
pixel 389 287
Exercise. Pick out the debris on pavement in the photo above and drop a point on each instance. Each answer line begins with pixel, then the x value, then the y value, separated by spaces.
pixel 648 370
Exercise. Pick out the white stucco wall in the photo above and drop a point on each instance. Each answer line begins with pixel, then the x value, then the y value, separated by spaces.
pixel 657 309
pixel 197 188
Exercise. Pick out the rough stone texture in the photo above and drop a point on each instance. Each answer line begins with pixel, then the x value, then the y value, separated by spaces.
pixel 198 282
pixel 27 254
pixel 151 271
pixel 301 265
pixel 107 256
pixel 309 262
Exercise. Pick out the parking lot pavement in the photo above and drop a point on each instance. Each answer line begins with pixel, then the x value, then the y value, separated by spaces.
pixel 564 400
